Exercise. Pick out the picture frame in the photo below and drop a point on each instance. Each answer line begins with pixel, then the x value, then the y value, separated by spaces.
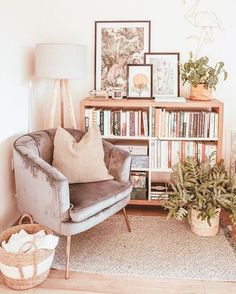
pixel 130 40
pixel 166 80
pixel 139 81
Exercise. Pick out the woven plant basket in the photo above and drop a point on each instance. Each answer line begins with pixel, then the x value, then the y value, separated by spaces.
pixel 201 227
pixel 25 270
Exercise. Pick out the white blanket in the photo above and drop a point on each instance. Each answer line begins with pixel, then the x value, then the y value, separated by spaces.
pixel 18 241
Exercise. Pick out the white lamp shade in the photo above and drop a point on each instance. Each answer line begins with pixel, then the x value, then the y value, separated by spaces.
pixel 60 61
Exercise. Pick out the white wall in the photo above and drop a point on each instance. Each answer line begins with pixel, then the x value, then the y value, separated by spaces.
pixel 26 22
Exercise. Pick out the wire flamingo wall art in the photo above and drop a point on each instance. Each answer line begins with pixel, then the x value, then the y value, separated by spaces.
pixel 205 21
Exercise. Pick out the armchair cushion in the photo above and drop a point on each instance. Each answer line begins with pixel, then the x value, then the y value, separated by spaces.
pixel 83 161
pixel 90 198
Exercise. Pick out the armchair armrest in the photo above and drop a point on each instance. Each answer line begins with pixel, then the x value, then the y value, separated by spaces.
pixel 41 189
pixel 118 162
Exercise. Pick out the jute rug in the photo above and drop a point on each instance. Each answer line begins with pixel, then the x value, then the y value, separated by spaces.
pixel 156 247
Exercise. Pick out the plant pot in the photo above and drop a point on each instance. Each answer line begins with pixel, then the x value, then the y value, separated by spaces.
pixel 201 227
pixel 200 93
pixel 234 232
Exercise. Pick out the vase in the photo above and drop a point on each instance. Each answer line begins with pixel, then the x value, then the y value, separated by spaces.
pixel 201 227
pixel 200 93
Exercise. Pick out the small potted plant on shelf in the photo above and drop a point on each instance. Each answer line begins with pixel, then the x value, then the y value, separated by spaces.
pixel 199 191
pixel 202 77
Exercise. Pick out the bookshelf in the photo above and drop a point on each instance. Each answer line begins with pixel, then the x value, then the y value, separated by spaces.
pixel 200 110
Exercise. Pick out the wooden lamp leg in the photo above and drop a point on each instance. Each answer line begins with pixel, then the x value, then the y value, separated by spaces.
pixel 54 103
pixel 62 115
pixel 71 114
pixel 68 243
pixel 126 220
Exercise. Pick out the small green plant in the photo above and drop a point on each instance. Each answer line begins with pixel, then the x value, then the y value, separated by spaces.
pixel 204 186
pixel 199 72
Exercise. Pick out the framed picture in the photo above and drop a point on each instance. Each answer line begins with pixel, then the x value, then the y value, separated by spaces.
pixel 165 75
pixel 118 43
pixel 139 78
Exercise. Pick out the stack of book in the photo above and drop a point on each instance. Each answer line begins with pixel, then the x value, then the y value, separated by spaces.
pixel 165 154
pixel 159 191
pixel 139 182
pixel 184 124
pixel 118 122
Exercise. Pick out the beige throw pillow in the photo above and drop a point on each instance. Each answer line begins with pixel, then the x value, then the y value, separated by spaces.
pixel 83 161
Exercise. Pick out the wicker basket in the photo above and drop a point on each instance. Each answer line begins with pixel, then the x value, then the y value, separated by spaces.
pixel 25 270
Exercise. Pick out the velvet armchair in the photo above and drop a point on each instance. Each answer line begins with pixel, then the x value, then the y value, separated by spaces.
pixel 68 209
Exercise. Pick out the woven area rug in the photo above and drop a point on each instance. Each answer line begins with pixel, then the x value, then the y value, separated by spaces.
pixel 156 247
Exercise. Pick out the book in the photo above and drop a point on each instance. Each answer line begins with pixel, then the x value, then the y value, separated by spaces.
pixel 169 99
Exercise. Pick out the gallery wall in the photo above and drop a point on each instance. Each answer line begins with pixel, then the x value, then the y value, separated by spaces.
pixel 25 23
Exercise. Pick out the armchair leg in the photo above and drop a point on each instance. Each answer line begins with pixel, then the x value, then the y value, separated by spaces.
pixel 68 242
pixel 126 220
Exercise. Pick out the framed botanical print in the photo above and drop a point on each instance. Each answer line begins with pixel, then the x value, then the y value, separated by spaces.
pixel 139 83
pixel 165 76
pixel 118 43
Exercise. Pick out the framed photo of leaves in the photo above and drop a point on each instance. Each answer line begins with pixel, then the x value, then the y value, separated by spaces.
pixel 139 81
pixel 118 43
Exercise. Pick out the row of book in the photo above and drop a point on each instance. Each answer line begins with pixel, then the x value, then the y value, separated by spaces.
pixel 118 122
pixel 165 154
pixel 184 124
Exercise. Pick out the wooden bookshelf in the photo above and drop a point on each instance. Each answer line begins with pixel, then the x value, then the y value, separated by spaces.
pixel 147 105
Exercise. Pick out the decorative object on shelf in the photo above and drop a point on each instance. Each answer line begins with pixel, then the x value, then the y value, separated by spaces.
pixel 117 93
pixel 139 81
pixel 135 148
pixel 205 187
pixel 118 43
pixel 202 77
pixel 61 62
pixel 159 191
pixel 138 179
pixel 165 76
pixel 98 95
pixel 139 161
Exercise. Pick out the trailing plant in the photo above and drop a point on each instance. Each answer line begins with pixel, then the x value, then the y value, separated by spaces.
pixel 204 186
pixel 200 72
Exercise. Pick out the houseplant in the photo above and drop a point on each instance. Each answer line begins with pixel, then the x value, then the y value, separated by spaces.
pixel 199 191
pixel 202 77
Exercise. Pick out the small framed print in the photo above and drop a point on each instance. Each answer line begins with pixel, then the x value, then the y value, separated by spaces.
pixel 165 76
pixel 118 43
pixel 139 77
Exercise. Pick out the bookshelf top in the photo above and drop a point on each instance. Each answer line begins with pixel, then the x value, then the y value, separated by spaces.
pixel 139 103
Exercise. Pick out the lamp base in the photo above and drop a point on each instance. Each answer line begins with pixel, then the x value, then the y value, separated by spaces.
pixel 67 117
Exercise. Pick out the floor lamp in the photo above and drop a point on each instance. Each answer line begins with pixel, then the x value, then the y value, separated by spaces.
pixel 61 62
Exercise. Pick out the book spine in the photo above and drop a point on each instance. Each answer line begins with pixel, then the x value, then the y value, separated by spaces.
pixel 132 123
pixel 102 122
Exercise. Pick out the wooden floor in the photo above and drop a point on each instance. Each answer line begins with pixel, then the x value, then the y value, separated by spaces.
pixel 88 283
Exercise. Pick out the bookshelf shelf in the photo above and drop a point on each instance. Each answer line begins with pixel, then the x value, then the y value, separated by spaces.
pixel 145 202
pixel 140 138
pixel 197 140
pixel 140 169
pixel 161 170
pixel 184 139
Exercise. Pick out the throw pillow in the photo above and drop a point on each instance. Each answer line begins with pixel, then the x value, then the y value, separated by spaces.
pixel 83 161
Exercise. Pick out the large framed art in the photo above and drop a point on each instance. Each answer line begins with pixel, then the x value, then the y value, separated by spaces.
pixel 165 76
pixel 118 43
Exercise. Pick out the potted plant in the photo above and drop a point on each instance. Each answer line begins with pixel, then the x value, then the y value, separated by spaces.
pixel 199 191
pixel 202 77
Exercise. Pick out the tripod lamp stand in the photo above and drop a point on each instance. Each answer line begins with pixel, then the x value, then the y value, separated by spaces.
pixel 61 62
